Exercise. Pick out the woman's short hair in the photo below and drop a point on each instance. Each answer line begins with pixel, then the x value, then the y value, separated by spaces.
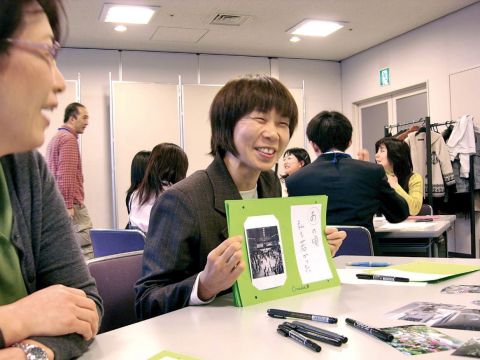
pixel 167 164
pixel 300 154
pixel 240 97
pixel 398 154
pixel 12 13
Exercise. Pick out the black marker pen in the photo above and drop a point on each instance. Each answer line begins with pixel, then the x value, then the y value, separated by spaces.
pixel 382 335
pixel 319 331
pixel 285 331
pixel 382 277
pixel 283 314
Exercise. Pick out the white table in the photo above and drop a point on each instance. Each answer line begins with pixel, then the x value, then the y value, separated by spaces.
pixel 222 331
pixel 426 234
pixel 413 229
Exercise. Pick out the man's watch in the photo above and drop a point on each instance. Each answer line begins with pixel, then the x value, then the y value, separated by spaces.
pixel 32 352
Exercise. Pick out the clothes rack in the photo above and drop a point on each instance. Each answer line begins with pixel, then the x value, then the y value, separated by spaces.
pixel 471 178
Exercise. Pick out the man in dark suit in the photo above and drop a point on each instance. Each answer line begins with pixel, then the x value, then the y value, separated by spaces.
pixel 356 189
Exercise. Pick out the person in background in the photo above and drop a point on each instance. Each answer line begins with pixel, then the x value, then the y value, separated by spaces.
pixel 188 257
pixel 394 155
pixel 137 172
pixel 49 304
pixel 293 160
pixel 166 166
pixel 65 163
pixel 356 189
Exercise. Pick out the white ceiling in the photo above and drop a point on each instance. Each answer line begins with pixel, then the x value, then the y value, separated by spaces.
pixel 184 25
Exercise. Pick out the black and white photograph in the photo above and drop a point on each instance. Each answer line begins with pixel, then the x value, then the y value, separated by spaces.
pixel 439 315
pixel 461 289
pixel 469 349
pixel 265 252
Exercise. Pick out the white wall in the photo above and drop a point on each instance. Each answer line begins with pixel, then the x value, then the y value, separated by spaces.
pixel 429 53
pixel 322 90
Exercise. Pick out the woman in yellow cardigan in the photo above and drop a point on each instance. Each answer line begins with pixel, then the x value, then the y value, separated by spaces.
pixel 394 155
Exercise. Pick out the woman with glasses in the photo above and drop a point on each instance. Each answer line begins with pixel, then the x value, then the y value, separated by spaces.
pixel 49 305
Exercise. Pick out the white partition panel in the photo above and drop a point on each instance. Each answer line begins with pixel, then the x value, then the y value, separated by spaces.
pixel 196 101
pixel 465 93
pixel 298 138
pixel 144 115
pixel 56 117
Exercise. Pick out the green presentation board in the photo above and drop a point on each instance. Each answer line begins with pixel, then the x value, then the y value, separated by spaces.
pixel 285 249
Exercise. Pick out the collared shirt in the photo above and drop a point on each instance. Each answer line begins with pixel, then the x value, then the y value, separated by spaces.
pixel 63 158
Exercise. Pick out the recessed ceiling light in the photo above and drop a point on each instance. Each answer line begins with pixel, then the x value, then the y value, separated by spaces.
pixel 295 39
pixel 120 28
pixel 127 14
pixel 315 28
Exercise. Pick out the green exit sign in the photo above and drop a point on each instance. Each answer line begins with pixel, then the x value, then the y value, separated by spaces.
pixel 385 77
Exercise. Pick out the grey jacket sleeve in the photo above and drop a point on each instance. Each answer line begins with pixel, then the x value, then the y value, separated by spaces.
pixel 57 258
pixel 171 259
pixel 393 206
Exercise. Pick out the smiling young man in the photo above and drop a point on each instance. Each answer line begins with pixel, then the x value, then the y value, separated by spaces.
pixel 63 158
pixel 187 260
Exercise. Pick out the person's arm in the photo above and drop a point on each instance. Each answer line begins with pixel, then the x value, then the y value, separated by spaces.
pixel 414 197
pixel 68 162
pixel 392 205
pixel 58 260
pixel 169 264
pixel 175 254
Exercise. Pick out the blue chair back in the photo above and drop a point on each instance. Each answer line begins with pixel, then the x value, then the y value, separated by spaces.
pixel 110 242
pixel 116 276
pixel 426 210
pixel 357 242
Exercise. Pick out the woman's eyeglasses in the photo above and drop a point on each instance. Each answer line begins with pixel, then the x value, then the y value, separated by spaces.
pixel 52 49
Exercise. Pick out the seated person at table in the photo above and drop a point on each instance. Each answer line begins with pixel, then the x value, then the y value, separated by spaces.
pixel 356 189
pixel 394 155
pixel 187 260
pixel 166 166
pixel 49 305
pixel 293 160
pixel 137 172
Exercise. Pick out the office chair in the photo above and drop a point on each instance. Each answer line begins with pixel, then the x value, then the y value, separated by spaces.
pixel 357 242
pixel 426 210
pixel 116 276
pixel 108 242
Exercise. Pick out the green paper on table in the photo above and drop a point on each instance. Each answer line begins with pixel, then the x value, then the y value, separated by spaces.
pixel 285 249
pixel 168 355
pixel 425 270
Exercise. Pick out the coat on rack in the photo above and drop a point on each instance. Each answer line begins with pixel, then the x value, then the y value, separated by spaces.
pixel 442 172
pixel 461 143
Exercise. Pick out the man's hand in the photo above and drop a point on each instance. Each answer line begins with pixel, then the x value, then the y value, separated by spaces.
pixel 334 238
pixel 224 266
pixel 71 212
pixel 363 154
pixel 392 180
pixel 53 311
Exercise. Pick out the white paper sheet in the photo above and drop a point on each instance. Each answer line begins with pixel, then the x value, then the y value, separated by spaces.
pixel 307 239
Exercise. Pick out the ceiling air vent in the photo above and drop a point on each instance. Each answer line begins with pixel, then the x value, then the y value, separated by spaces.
pixel 229 19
